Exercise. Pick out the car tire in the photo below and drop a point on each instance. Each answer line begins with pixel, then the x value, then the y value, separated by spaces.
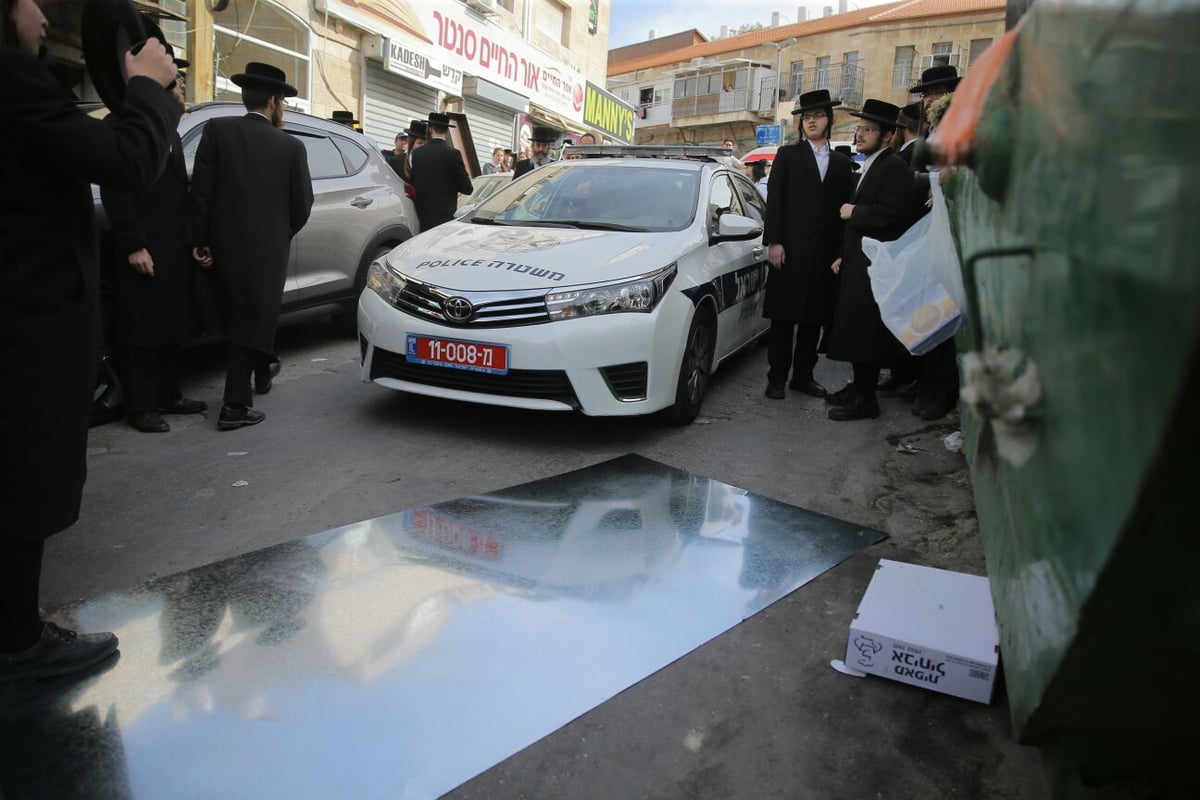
pixel 695 367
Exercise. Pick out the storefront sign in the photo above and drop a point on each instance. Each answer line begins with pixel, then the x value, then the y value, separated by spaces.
pixel 414 63
pixel 607 112
pixel 471 46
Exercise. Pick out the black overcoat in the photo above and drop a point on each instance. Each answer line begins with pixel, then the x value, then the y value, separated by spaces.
pixel 251 193
pixel 882 210
pixel 49 312
pixel 802 215
pixel 439 176
pixel 158 310
pixel 521 167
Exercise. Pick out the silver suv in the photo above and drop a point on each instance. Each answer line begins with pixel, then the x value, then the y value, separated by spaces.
pixel 360 212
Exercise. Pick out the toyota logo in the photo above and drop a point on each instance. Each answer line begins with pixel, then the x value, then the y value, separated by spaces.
pixel 458 309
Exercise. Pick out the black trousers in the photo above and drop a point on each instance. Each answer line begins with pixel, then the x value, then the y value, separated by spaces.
pixel 784 354
pixel 866 377
pixel 20 579
pixel 244 362
pixel 151 377
pixel 939 369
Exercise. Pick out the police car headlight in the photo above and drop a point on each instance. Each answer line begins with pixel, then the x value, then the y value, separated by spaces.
pixel 639 295
pixel 383 282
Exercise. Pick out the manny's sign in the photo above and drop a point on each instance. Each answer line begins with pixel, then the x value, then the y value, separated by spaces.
pixel 606 112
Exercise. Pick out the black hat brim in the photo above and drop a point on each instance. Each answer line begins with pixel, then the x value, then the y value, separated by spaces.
pixel 815 106
pixel 950 83
pixel 440 124
pixel 109 28
pixel 891 123
pixel 270 84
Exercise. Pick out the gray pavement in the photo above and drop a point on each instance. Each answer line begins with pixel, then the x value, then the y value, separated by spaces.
pixel 755 713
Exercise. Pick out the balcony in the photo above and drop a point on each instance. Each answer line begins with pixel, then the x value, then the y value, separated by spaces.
pixel 720 93
pixel 844 81
pixel 652 114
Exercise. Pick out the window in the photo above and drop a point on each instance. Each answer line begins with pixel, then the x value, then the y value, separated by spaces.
pixel 646 96
pixel 822 81
pixel 849 88
pixel 902 67
pixel 507 5
pixel 258 30
pixel 354 155
pixel 324 159
pixel 721 200
pixel 756 207
pixel 941 53
pixel 977 48
pixel 554 21
pixel 796 79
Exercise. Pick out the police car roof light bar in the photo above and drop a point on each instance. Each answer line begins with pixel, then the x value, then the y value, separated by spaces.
pixel 700 152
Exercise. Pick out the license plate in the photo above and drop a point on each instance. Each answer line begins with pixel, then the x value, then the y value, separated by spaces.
pixel 458 354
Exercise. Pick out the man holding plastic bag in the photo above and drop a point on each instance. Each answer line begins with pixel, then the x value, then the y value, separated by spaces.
pixel 879 209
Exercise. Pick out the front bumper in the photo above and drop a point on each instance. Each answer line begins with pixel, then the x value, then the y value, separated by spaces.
pixel 597 365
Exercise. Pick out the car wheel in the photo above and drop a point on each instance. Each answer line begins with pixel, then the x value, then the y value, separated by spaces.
pixel 695 368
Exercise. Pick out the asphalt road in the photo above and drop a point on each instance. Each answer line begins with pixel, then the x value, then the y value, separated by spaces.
pixel 755 713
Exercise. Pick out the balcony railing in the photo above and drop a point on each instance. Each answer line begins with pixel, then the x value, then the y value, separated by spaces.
pixel 844 81
pixel 652 114
pixel 715 103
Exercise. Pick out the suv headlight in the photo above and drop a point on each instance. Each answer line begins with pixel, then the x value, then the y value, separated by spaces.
pixel 640 294
pixel 383 282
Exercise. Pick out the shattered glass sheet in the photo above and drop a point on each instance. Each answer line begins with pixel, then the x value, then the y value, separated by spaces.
pixel 401 656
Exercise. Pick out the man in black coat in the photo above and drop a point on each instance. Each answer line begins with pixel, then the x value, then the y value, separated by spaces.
pixel 805 189
pixel 539 143
pixel 155 278
pixel 251 193
pixel 49 314
pixel 439 175
pixel 880 209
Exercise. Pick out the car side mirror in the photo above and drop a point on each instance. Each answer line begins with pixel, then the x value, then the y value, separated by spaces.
pixel 736 228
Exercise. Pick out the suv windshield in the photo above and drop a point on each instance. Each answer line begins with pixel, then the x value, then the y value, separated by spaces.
pixel 622 196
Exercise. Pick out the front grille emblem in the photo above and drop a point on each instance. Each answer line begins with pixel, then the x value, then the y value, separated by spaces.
pixel 458 309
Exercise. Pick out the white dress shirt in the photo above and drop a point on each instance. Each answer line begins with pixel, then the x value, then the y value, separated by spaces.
pixel 822 155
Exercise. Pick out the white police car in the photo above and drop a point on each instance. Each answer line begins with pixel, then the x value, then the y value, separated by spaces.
pixel 612 284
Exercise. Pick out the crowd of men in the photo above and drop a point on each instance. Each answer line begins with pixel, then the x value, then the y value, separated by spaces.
pixel 818 293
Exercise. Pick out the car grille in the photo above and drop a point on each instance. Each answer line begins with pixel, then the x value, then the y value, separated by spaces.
pixel 627 381
pixel 492 309
pixel 542 384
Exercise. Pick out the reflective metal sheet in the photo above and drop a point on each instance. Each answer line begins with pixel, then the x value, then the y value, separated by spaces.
pixel 401 656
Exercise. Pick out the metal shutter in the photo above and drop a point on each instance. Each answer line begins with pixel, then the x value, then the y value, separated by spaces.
pixel 491 127
pixel 392 103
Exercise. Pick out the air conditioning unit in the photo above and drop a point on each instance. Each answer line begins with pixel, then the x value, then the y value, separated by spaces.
pixel 482 6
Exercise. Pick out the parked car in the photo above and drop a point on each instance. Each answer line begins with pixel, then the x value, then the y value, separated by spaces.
pixel 612 286
pixel 360 212
pixel 485 186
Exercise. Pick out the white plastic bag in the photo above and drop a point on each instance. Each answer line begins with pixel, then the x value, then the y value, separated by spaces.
pixel 917 281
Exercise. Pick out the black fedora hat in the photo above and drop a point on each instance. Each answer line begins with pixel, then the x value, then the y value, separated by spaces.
pixel 942 75
pixel 541 133
pixel 108 29
pixel 440 119
pixel 264 76
pixel 153 31
pixel 344 117
pixel 879 111
pixel 419 129
pixel 810 101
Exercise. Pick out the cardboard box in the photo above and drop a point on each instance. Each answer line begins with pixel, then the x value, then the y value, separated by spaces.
pixel 927 627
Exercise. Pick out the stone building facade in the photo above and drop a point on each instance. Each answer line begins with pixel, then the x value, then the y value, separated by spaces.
pixel 728 88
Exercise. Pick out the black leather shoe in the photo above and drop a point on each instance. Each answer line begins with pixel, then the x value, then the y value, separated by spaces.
pixel 238 417
pixel 939 406
pixel 184 406
pixel 842 396
pixel 775 391
pixel 148 422
pixel 808 387
pixel 263 380
pixel 861 407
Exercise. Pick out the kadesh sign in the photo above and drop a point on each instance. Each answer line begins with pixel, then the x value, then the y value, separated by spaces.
pixel 415 64
pixel 466 44
pixel 605 111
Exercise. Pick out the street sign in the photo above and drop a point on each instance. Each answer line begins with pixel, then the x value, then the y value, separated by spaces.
pixel 768 134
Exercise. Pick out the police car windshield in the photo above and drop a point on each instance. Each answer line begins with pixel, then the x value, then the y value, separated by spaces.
pixel 619 196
